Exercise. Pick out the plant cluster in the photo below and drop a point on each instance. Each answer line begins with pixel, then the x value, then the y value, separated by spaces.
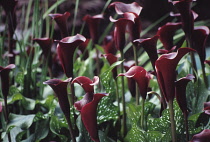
pixel 115 86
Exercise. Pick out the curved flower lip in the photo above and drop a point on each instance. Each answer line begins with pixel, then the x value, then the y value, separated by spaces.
pixel 166 34
pixel 9 67
pixel 45 44
pixel 89 116
pixel 166 71
pixel 149 46
pixel 203 136
pixel 93 24
pixel 86 83
pixel 122 8
pixel 141 76
pixel 60 89
pixel 61 20
pixel 207 108
pixel 163 51
pixel 65 50
pixel 199 37
pixel 180 86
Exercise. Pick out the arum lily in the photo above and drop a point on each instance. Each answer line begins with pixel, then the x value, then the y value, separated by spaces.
pixel 164 51
pixel 88 105
pixel 131 82
pixel 111 59
pixel 60 89
pixel 46 44
pixel 180 89
pixel 93 23
pixel 83 49
pixel 203 136
pixel 65 50
pixel 142 77
pixel 166 34
pixel 61 20
pixel 149 46
pixel 108 45
pixel 166 75
pixel 5 85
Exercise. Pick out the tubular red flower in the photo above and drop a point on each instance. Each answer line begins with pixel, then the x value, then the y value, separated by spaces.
pixel 166 34
pixel 111 59
pixel 163 51
pixel 4 74
pixel 166 71
pixel 131 82
pixel 203 136
pixel 60 89
pixel 207 108
pixel 141 76
pixel 108 45
pixel 149 46
pixel 45 44
pixel 122 8
pixel 180 92
pixel 119 32
pixel 199 37
pixel 61 20
pixel 187 18
pixel 93 24
pixel 65 50
pixel 89 116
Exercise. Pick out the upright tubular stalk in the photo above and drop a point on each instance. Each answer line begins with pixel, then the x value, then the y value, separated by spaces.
pixel 117 98
pixel 142 113
pixel 173 125
pixel 123 99
pixel 204 75
pixel 70 129
pixel 136 63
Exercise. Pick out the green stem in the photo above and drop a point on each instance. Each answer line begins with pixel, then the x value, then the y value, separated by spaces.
pixel 123 99
pixel 117 98
pixel 142 113
pixel 204 75
pixel 173 125
pixel 186 126
pixel 70 129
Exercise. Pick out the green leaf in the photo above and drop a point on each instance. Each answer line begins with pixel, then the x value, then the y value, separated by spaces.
pixel 19 78
pixel 22 121
pixel 55 127
pixel 135 135
pixel 103 137
pixel 134 113
pixel 28 104
pixel 154 136
pixel 106 110
pixel 14 98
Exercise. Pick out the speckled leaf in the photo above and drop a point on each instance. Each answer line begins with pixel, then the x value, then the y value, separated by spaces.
pixel 154 136
pixel 134 113
pixel 55 127
pixel 135 135
pixel 22 121
pixel 19 78
pixel 106 110
pixel 103 137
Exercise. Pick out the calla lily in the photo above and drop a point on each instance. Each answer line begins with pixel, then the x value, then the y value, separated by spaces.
pixel 109 45
pixel 131 82
pixel 61 20
pixel 119 32
pixel 4 74
pixel 87 84
pixel 187 18
pixel 45 44
pixel 203 136
pixel 122 8
pixel 141 76
pixel 180 87
pixel 65 50
pixel 199 37
pixel 111 59
pixel 166 34
pixel 149 46
pixel 207 108
pixel 83 49
pixel 89 116
pixel 93 23
pixel 166 71
pixel 88 105
pixel 164 51
pixel 60 89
